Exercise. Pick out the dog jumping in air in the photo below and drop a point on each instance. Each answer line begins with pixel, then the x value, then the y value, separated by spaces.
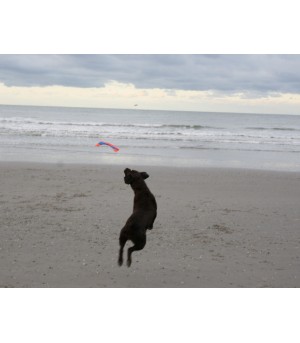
pixel 143 215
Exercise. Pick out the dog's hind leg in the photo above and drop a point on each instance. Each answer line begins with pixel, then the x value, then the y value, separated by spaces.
pixel 139 245
pixel 122 240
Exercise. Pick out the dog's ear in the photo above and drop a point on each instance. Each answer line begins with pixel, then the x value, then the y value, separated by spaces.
pixel 144 175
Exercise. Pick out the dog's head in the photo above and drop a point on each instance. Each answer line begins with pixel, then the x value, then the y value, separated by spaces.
pixel 133 175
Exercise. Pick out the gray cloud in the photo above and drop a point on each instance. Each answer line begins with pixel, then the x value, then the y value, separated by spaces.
pixel 257 74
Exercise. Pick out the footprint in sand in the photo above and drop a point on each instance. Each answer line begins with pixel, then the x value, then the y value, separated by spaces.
pixel 220 228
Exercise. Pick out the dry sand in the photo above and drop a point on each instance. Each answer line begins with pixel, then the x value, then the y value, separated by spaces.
pixel 215 228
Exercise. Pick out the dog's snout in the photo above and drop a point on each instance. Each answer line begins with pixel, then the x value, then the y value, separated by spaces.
pixel 126 171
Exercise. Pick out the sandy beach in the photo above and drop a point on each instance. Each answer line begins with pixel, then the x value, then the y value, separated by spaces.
pixel 215 227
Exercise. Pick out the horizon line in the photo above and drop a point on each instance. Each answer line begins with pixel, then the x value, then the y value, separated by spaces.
pixel 145 109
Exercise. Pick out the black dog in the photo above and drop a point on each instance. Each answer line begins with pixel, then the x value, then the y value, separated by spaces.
pixel 143 216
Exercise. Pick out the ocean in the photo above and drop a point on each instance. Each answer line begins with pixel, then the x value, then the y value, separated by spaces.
pixel 145 137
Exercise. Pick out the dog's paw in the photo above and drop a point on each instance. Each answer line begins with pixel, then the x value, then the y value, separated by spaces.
pixel 120 262
pixel 128 263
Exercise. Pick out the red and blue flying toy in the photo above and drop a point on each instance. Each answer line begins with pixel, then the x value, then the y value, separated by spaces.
pixel 115 149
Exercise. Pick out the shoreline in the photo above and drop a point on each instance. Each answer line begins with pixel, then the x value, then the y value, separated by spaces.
pixel 216 227
pixel 124 165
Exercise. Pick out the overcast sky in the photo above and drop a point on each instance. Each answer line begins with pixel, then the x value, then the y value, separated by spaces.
pixel 238 83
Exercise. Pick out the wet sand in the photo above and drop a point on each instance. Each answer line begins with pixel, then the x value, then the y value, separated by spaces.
pixel 215 227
